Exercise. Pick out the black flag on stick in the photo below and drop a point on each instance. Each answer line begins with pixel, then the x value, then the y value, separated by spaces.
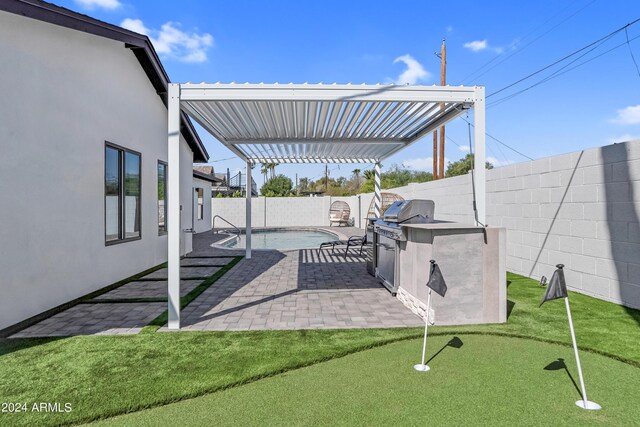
pixel 557 287
pixel 436 281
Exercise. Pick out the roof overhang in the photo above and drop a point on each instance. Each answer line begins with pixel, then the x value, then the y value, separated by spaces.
pixel 206 176
pixel 307 123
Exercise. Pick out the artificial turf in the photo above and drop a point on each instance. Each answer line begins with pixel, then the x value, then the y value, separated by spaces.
pixel 486 380
pixel 103 376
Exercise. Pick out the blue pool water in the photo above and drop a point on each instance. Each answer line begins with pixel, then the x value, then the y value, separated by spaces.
pixel 283 240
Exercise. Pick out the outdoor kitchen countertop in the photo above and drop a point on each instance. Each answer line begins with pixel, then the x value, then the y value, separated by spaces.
pixel 441 225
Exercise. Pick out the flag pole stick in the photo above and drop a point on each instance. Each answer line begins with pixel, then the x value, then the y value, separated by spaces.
pixel 584 403
pixel 422 367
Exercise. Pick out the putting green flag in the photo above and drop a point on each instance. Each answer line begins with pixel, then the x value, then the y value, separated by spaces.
pixel 436 281
pixel 557 287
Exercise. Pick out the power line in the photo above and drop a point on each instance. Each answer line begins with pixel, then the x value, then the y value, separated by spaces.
pixel 557 74
pixel 546 79
pixel 500 142
pixel 563 58
pixel 222 160
pixel 515 52
pixel 626 33
pixel 493 153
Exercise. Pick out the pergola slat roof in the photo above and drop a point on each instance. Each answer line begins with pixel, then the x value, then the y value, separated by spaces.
pixel 311 123
pixel 273 123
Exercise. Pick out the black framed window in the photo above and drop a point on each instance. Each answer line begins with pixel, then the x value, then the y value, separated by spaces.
pixel 122 194
pixel 200 196
pixel 162 197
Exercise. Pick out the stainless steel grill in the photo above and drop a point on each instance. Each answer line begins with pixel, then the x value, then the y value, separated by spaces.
pixel 389 233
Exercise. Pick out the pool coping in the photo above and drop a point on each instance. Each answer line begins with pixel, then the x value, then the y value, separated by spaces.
pixel 219 244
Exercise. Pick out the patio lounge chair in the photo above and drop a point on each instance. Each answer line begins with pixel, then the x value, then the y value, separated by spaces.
pixel 352 241
pixel 339 212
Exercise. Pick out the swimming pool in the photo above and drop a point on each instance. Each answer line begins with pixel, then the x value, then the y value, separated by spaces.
pixel 283 240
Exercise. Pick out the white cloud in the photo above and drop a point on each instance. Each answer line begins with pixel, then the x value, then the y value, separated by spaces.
pixel 414 73
pixel 622 138
pixel 628 115
pixel 464 148
pixel 102 4
pixel 135 25
pixel 477 45
pixel 422 163
pixel 170 41
pixel 480 45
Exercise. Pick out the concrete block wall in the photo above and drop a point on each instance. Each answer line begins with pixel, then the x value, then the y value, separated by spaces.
pixel 579 209
pixel 453 197
pixel 280 211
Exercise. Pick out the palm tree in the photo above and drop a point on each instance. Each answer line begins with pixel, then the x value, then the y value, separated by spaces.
pixel 369 174
pixel 356 172
pixel 264 169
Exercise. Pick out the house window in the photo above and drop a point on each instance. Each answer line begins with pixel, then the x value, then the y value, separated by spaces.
pixel 162 197
pixel 122 194
pixel 200 194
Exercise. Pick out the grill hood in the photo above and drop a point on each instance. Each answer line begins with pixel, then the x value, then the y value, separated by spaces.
pixel 410 211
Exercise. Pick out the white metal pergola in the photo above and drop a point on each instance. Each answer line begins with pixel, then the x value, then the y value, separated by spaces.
pixel 312 123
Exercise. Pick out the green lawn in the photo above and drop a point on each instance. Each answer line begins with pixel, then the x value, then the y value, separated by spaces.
pixel 488 381
pixel 102 376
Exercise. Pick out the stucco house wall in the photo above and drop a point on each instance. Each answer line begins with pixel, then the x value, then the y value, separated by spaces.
pixel 66 93
pixel 203 224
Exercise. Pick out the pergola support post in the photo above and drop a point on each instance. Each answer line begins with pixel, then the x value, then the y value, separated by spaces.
pixel 248 220
pixel 480 170
pixel 173 202
pixel 377 196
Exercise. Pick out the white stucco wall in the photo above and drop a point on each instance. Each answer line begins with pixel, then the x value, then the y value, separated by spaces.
pixel 65 94
pixel 279 211
pixel 204 224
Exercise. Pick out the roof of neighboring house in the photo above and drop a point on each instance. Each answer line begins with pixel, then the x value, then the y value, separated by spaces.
pixel 139 44
pixel 206 173
pixel 204 169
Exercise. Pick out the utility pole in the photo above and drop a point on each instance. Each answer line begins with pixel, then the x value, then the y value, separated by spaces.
pixel 435 154
pixel 443 81
pixel 438 158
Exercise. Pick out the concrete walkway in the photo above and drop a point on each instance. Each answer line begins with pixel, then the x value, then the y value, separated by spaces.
pixel 302 289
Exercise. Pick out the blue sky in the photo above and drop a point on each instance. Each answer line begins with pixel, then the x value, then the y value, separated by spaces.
pixel 382 41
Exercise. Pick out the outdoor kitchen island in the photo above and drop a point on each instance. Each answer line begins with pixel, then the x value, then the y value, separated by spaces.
pixel 472 261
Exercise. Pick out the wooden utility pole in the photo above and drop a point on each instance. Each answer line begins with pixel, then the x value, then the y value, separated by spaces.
pixel 443 81
pixel 435 154
pixel 438 158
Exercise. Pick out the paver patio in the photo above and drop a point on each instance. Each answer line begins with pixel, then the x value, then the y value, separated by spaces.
pixel 149 289
pixel 186 272
pixel 96 319
pixel 302 289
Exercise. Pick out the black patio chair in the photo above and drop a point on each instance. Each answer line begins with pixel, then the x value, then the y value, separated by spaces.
pixel 352 241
